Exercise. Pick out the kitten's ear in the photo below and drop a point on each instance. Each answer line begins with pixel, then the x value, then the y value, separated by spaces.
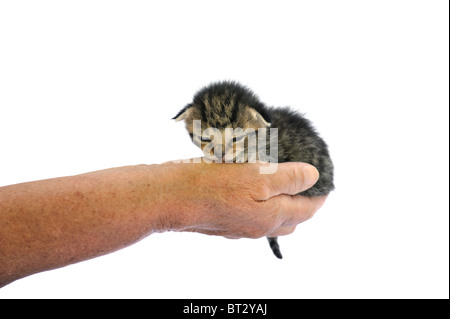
pixel 261 117
pixel 183 114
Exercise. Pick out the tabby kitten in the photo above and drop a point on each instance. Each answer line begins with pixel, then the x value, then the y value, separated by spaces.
pixel 227 104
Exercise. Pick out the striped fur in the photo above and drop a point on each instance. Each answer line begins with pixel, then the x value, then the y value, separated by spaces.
pixel 230 105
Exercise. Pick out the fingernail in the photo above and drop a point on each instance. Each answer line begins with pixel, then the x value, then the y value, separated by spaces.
pixel 310 175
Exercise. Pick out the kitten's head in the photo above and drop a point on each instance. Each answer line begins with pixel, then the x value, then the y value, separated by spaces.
pixel 221 106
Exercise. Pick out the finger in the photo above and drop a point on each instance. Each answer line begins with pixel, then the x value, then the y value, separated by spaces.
pixel 290 178
pixel 282 231
pixel 296 209
pixel 211 232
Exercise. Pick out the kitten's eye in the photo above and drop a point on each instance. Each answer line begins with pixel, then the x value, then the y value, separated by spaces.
pixel 206 139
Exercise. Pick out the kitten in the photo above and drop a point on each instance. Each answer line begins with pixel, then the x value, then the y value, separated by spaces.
pixel 230 105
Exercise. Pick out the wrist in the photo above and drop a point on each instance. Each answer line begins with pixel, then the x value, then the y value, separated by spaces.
pixel 176 195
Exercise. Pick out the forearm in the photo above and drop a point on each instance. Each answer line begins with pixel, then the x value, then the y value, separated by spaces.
pixel 51 223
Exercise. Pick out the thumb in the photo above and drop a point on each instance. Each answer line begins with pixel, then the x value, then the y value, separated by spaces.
pixel 291 178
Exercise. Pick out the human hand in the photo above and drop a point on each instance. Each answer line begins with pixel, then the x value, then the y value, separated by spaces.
pixel 235 200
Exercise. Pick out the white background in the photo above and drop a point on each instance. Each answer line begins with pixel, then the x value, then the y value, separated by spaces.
pixel 87 85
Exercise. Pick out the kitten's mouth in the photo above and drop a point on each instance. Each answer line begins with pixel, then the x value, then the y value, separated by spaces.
pixel 220 159
pixel 213 158
pixel 226 159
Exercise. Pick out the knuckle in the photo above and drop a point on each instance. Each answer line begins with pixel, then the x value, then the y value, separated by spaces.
pixel 291 230
pixel 261 191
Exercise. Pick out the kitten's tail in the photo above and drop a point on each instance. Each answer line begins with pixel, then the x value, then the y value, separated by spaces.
pixel 273 242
